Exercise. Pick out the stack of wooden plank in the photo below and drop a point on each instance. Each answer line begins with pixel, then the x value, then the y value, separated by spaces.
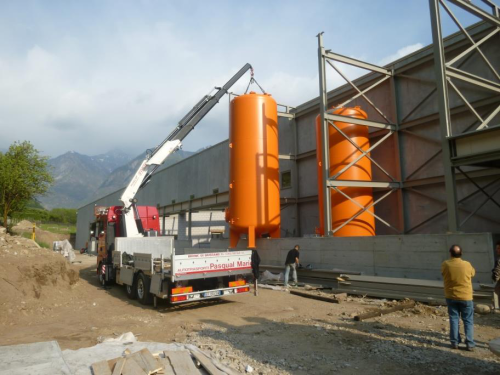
pixel 144 362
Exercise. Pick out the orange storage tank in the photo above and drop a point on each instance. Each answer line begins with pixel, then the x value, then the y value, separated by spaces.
pixel 254 192
pixel 342 152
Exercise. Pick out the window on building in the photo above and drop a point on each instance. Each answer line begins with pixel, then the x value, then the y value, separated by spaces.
pixel 286 180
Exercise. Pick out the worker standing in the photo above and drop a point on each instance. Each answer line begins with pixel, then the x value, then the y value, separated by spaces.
pixel 495 272
pixel 291 263
pixel 457 275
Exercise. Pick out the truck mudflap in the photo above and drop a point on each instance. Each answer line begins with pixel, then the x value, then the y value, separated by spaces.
pixel 204 265
pixel 208 294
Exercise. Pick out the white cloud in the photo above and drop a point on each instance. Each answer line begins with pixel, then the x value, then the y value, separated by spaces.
pixel 126 82
pixel 401 53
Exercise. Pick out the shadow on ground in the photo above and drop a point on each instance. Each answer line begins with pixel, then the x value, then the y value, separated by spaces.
pixel 322 347
pixel 163 306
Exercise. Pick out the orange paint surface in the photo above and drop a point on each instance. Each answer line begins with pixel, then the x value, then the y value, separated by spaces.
pixel 342 152
pixel 254 192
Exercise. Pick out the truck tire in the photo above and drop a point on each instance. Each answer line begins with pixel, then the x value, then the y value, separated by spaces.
pixel 143 284
pixel 131 290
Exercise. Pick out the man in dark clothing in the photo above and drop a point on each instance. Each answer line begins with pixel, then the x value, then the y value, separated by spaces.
pixel 495 272
pixel 255 269
pixel 291 263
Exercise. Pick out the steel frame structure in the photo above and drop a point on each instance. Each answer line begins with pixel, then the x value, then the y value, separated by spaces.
pixel 446 73
pixel 327 119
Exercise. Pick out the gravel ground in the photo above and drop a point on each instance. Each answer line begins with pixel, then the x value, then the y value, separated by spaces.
pixel 273 333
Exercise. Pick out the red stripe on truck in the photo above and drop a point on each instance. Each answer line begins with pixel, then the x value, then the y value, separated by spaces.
pixel 208 271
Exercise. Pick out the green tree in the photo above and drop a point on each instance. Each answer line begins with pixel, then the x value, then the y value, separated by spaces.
pixel 24 174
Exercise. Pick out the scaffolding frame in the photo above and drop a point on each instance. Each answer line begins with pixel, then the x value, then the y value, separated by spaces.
pixel 328 119
pixel 446 73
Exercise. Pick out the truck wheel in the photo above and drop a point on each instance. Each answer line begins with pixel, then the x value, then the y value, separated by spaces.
pixel 131 290
pixel 143 283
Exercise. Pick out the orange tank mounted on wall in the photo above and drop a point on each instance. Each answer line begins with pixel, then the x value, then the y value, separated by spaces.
pixel 342 152
pixel 254 192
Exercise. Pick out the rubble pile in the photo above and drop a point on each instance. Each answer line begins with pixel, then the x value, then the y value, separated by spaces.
pixel 29 272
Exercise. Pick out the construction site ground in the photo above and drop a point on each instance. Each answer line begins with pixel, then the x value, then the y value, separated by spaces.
pixel 44 298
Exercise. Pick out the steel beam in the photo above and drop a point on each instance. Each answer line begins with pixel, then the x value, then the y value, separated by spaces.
pixel 471 48
pixel 440 179
pixel 423 165
pixel 363 154
pixel 479 187
pixel 489 118
pixel 454 111
pixel 286 115
pixel 444 116
pixel 325 144
pixel 475 192
pixel 359 92
pixel 419 105
pixel 396 115
pixel 353 217
pixel 366 209
pixel 464 31
pixel 361 150
pixel 385 78
pixel 358 121
pixel 356 63
pixel 478 12
pixel 357 183
pixel 473 79
pixel 465 100
pixel 478 208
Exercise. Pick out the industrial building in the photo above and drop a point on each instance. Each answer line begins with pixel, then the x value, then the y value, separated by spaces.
pixel 433 121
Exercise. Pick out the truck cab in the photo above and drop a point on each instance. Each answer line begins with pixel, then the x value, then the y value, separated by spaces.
pixel 109 225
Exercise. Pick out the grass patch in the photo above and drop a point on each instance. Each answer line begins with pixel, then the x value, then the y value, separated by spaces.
pixel 43 244
pixel 58 228
pixel 40 243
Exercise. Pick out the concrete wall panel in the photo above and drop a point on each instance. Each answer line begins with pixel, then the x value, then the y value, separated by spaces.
pixel 409 256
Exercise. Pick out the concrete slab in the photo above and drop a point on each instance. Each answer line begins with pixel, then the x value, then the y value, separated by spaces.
pixel 41 358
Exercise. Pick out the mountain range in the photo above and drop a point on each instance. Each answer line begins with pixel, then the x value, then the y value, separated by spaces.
pixel 80 179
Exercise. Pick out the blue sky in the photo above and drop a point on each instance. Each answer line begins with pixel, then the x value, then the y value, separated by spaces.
pixel 91 76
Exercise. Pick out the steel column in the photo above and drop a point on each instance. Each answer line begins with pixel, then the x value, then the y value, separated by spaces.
pixel 325 146
pixel 444 116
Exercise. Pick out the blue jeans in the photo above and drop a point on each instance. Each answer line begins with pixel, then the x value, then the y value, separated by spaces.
pixel 292 266
pixel 464 310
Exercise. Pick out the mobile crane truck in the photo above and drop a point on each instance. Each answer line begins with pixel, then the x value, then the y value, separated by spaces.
pixel 131 250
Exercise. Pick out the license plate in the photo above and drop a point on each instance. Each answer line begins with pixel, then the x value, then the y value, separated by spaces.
pixel 212 294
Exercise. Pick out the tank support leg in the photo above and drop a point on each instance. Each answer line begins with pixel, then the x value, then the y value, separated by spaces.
pixel 251 237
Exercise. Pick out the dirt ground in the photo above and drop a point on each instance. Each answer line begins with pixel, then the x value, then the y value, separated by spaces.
pixel 42 298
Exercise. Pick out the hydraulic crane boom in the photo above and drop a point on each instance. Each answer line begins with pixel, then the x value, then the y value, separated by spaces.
pixel 133 224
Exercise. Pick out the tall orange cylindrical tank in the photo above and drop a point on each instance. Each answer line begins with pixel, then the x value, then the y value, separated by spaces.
pixel 342 152
pixel 254 192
